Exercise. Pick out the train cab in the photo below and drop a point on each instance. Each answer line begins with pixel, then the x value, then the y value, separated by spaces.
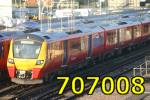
pixel 26 57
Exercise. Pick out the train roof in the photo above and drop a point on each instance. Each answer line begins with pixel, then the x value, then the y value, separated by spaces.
pixel 10 33
pixel 145 18
pixel 91 25
pixel 57 24
pixel 54 36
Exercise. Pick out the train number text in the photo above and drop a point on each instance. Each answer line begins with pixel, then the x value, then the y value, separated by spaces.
pixel 108 85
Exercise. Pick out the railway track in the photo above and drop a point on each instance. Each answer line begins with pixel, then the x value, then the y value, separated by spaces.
pixel 124 66
pixel 120 64
pixel 70 95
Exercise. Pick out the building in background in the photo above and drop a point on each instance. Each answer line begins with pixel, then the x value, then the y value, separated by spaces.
pixel 110 4
pixel 134 3
pixel 67 4
pixel 120 4
pixel 5 8
pixel 31 3
pixel 145 3
pixel 53 3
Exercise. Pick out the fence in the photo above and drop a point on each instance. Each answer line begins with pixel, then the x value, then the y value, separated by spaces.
pixel 143 69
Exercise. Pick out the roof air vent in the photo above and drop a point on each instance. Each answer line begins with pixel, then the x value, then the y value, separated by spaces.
pixel 46 37
pixel 122 23
pixel 74 32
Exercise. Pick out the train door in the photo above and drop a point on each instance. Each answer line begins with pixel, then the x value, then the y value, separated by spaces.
pixel 97 43
pixel 77 49
pixel 137 33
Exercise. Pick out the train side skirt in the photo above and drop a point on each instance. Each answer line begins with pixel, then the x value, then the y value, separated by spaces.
pixel 27 82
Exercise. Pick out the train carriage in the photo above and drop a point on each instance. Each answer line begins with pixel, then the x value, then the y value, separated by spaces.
pixel 122 34
pixel 4 49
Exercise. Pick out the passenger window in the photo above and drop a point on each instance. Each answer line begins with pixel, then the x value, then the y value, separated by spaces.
pixel 145 30
pixel 125 34
pixel 98 40
pixel 111 38
pixel 75 44
pixel 136 31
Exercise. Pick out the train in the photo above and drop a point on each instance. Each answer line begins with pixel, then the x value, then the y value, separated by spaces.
pixel 5 38
pixel 34 57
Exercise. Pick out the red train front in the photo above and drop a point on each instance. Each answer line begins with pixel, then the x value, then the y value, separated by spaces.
pixel 4 49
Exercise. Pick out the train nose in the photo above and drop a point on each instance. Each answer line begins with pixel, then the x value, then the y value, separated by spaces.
pixel 22 64
pixel 28 68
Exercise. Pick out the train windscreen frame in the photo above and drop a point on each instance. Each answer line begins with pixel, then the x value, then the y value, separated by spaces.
pixel 26 49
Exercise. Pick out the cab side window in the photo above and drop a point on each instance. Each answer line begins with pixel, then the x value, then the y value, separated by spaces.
pixel 56 49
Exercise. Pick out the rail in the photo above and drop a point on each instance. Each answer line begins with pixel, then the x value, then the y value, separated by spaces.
pixel 143 69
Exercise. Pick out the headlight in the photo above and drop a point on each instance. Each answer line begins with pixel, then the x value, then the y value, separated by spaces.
pixel 11 61
pixel 39 62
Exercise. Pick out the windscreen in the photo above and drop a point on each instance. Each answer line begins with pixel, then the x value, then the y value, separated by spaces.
pixel 26 49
